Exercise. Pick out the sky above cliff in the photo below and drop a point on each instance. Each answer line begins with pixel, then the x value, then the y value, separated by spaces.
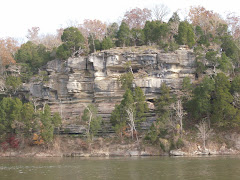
pixel 17 16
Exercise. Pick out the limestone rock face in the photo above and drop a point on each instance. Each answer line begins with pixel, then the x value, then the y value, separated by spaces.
pixel 76 82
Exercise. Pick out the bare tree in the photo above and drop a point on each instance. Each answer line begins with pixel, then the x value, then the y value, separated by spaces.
pixel 50 41
pixel 137 17
pixel 35 103
pixel 92 120
pixel 131 123
pixel 209 21
pixel 72 23
pixel 89 120
pixel 233 21
pixel 33 35
pixel 179 113
pixel 44 105
pixel 204 132
pixel 95 29
pixel 160 12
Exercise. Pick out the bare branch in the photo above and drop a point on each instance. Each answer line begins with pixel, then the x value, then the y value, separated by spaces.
pixel 160 12
pixel 131 122
pixel 204 131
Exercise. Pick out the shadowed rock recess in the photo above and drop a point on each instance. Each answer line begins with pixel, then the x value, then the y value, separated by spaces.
pixel 77 82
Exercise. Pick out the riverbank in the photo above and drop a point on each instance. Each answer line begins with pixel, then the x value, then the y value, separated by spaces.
pixel 70 146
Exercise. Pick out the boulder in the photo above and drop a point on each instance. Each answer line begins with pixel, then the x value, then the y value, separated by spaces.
pixel 176 153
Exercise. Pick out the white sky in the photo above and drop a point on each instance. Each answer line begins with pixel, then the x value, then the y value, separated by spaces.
pixel 17 16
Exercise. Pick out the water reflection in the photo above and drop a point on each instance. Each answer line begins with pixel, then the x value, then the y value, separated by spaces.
pixel 121 168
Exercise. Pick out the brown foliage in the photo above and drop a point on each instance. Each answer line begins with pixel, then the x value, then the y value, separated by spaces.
pixel 234 24
pixel 95 28
pixel 8 47
pixel 207 20
pixel 50 41
pixel 137 17
pixel 33 35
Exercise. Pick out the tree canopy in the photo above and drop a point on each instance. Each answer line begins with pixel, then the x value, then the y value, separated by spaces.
pixel 73 40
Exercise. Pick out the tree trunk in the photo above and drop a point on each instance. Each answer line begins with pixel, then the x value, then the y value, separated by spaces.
pixel 44 104
pixel 89 121
pixel 94 48
pixel 131 122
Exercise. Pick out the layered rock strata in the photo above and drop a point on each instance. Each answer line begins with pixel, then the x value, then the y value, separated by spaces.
pixel 77 82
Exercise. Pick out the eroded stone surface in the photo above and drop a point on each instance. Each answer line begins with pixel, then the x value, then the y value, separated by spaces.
pixel 77 82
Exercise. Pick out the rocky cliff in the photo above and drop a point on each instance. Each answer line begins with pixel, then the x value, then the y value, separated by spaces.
pixel 71 85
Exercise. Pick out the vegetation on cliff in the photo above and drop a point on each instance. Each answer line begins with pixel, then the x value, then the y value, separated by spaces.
pixel 213 98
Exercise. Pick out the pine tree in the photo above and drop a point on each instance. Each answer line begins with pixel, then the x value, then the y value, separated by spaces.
pixel 224 113
pixel 123 35
pixel 162 105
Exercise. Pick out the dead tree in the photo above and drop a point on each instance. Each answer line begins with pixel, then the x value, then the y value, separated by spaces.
pixel 44 104
pixel 204 132
pixel 178 108
pixel 160 12
pixel 179 114
pixel 131 123
pixel 35 103
pixel 89 121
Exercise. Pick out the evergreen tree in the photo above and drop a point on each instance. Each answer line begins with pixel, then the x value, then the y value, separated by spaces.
pixel 211 56
pixel 123 35
pixel 92 119
pixel 27 116
pixel 224 113
pixel 33 55
pixel 235 86
pixel 137 37
pixel 156 32
pixel 48 123
pixel 133 102
pixel 149 33
pixel 118 119
pixel 15 117
pixel 199 107
pixel 107 43
pixel 186 34
pixel 161 33
pixel 224 63
pixel 230 48
pixel 127 80
pixel 190 36
pixel 162 105
pixel 174 18
pixel 182 33
pixel 47 127
pixel 140 105
pixel 186 85
pixel 72 40
pixel 13 83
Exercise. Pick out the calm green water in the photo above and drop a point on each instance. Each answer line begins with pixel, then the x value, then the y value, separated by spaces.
pixel 226 168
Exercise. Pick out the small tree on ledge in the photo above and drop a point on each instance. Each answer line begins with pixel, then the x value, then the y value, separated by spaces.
pixel 92 120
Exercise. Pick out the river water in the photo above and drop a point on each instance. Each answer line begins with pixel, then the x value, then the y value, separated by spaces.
pixel 124 168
